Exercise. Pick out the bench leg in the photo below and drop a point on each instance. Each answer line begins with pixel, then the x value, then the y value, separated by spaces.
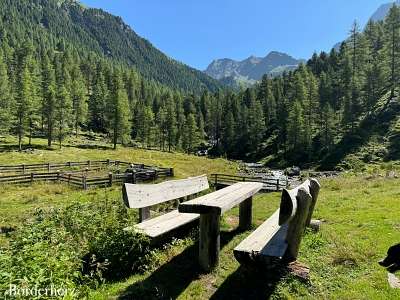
pixel 144 214
pixel 246 214
pixel 209 241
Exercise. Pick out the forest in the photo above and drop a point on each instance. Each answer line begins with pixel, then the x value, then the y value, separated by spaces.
pixel 55 88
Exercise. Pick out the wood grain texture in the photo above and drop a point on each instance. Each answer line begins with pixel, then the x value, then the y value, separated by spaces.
pixel 145 195
pixel 279 237
pixel 164 224
pixel 209 243
pixel 222 200
pixel 246 214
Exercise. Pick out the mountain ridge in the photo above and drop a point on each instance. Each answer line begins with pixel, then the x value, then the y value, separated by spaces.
pixel 252 68
pixel 98 31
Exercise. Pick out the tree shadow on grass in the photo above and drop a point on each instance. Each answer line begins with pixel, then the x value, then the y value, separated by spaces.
pixel 172 278
pixel 9 147
pixel 249 283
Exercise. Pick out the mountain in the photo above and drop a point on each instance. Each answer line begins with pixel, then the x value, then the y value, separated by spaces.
pixel 251 69
pixel 382 11
pixel 96 30
pixel 378 15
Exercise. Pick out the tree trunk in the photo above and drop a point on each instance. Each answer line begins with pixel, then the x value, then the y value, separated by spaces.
pixel 20 134
pixel 30 132
pixel 49 134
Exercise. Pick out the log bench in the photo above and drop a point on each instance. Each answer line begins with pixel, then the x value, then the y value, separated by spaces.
pixel 211 207
pixel 278 239
pixel 143 196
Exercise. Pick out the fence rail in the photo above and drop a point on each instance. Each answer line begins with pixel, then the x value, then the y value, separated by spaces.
pixel 20 174
pixel 269 184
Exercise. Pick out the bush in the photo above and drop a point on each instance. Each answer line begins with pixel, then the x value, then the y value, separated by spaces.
pixel 75 247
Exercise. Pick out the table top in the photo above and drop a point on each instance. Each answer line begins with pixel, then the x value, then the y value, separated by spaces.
pixel 222 200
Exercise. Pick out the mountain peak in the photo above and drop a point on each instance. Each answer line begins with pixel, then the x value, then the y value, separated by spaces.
pixel 383 10
pixel 252 68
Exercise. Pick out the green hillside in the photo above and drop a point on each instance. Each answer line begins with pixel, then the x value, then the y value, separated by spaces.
pixel 51 23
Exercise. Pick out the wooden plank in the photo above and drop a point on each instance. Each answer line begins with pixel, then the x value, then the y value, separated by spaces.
pixel 144 214
pixel 297 224
pixel 257 240
pixel 246 214
pixel 164 224
pixel 209 241
pixel 222 200
pixel 144 195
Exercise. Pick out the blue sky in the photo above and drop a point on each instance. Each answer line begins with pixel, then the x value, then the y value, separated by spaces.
pixel 197 31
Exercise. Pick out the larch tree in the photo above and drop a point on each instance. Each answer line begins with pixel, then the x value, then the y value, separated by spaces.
pixel 119 115
pixel 392 29
pixel 6 99
pixel 62 114
pixel 79 99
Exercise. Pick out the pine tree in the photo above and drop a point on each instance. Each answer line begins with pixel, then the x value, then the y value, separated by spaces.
pixel 228 132
pixel 170 123
pixel 119 115
pixel 6 98
pixel 256 124
pixel 24 104
pixel 392 28
pixel 49 97
pixel 190 139
pixel 328 129
pixel 79 99
pixel 62 114
pixel 295 126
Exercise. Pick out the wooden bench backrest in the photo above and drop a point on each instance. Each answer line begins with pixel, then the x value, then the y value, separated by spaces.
pixel 289 200
pixel 280 235
pixel 145 195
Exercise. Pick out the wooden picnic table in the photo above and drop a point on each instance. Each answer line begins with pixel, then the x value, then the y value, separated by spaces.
pixel 211 207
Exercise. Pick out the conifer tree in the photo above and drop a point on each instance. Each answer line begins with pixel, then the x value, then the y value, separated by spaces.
pixel 79 100
pixel 190 139
pixel 6 98
pixel 392 29
pixel 295 126
pixel 119 114
pixel 62 114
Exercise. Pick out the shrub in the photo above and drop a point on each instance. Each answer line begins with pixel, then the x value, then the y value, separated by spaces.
pixel 76 247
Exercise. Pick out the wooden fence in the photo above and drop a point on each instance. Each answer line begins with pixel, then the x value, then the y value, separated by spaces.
pixel 80 178
pixel 269 184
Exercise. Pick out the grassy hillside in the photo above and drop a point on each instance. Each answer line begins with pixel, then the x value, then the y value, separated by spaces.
pixel 360 214
pixel 360 222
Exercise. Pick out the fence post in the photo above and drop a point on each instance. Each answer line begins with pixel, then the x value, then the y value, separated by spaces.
pixel 32 177
pixel 48 167
pixel 84 184
pixel 134 177
pixel 23 169
pixel 69 164
pixel 171 172
pixel 89 163
pixel 58 175
pixel 69 178
pixel 277 184
pixel 108 162
pixel 110 179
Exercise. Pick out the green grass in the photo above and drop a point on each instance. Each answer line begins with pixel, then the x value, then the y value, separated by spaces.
pixel 184 165
pixel 361 220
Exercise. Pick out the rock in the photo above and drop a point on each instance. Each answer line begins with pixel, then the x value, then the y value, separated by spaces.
pixel 394 282
pixel 293 171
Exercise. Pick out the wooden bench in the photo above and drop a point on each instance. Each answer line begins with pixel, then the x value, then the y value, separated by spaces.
pixel 278 239
pixel 211 207
pixel 143 196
